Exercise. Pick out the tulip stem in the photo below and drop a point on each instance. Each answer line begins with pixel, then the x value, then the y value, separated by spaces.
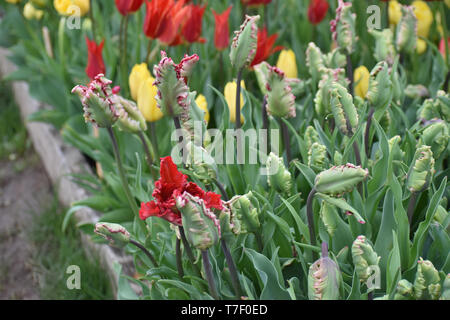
pixel 148 155
pixel 233 269
pixel 367 133
pixel 91 16
pixel 123 178
pixel 144 250
pixel 411 206
pixel 187 248
pixel 209 275
pixel 350 74
pixel 310 216
pixel 238 99
pixel 286 141
pixel 178 258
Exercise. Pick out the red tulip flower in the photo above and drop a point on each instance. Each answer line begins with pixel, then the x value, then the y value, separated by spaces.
pixel 255 2
pixel 265 47
pixel 317 10
pixel 442 47
pixel 221 33
pixel 191 28
pixel 128 6
pixel 171 184
pixel 95 63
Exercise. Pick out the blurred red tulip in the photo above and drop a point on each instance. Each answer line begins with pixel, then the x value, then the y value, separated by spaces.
pixel 191 29
pixel 442 47
pixel 255 2
pixel 221 33
pixel 95 63
pixel 317 10
pixel 157 18
pixel 265 47
pixel 128 6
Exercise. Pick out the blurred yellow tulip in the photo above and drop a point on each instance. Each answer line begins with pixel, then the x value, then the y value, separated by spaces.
pixel 138 75
pixel 361 79
pixel 287 63
pixel 30 12
pixel 395 12
pixel 424 18
pixel 447 2
pixel 203 104
pixel 230 97
pixel 421 46
pixel 66 7
pixel 146 100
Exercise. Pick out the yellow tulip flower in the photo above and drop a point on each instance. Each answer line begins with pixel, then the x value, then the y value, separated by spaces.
pixel 146 100
pixel 361 79
pixel 424 18
pixel 203 104
pixel 230 97
pixel 30 12
pixel 421 46
pixel 138 75
pixel 65 7
pixel 287 63
pixel 395 12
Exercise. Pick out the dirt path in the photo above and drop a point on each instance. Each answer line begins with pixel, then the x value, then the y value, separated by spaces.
pixel 22 195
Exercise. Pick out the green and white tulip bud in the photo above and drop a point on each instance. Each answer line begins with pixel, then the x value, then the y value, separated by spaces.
pixel 324 278
pixel 380 86
pixel 441 215
pixel 427 283
pixel 116 234
pixel 335 59
pixel 328 214
pixel 130 117
pixel 244 213
pixel 314 61
pixel 343 109
pixel 279 97
pixel 436 135
pixel 229 225
pixel 363 257
pixel 340 179
pixel 311 136
pixel 322 98
pixel 384 45
pixel 337 158
pixel 281 180
pixel 262 75
pixel 416 91
pixel 317 156
pixel 343 27
pixel 406 36
pixel 446 288
pixel 200 223
pixel 429 110
pixel 423 168
pixel 404 290
pixel 243 46
pixel 100 104
pixel 443 101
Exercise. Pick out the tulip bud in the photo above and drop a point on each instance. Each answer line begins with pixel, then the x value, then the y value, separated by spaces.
pixel 406 36
pixel 446 288
pixel 114 233
pixel 130 118
pixel 311 136
pixel 441 215
pixel 335 59
pixel 200 223
pixel 146 100
pixel 404 291
pixel 421 46
pixel 229 225
pixel 443 102
pixel 30 12
pixel 262 74
pixel 317 156
pixel 99 103
pixel 436 135
pixel 173 93
pixel 424 18
pixel 423 168
pixel 384 45
pixel 363 257
pixel 337 158
pixel 230 98
pixel 328 214
pixel 324 278
pixel 138 75
pixel 281 180
pixel 395 12
pixel 322 98
pixel 380 86
pixel 286 62
pixel 416 91
pixel 243 47
pixel 279 97
pixel 314 61
pixel 244 213
pixel 343 109
pixel 427 283
pixel 361 80
pixel 203 105
pixel 343 27
pixel 341 179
